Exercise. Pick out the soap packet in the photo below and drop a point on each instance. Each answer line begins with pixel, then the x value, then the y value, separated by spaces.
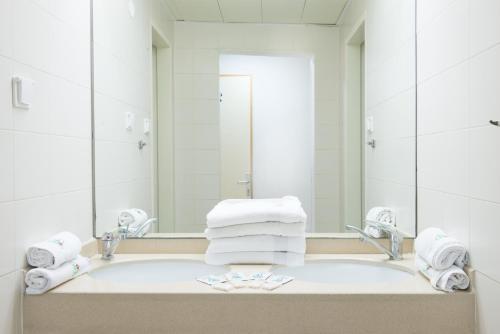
pixel 212 279
pixel 257 279
pixel 275 281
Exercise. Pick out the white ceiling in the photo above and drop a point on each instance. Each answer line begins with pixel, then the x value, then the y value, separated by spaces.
pixel 258 11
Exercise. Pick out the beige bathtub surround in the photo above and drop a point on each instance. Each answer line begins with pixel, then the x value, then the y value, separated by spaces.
pixel 86 305
pixel 195 243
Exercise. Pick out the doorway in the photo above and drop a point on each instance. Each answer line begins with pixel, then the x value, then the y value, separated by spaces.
pixel 236 136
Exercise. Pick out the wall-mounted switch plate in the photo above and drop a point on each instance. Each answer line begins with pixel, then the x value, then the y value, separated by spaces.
pixel 22 92
pixel 129 121
pixel 369 125
pixel 147 126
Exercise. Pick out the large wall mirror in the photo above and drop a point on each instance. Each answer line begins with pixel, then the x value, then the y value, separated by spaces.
pixel 196 104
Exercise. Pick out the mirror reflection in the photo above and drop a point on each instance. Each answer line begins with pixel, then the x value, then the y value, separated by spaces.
pixel 193 106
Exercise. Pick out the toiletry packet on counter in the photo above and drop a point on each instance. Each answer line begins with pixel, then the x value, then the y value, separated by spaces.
pixel 274 281
pixel 212 279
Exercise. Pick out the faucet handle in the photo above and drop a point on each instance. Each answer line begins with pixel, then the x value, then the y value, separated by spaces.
pixel 108 236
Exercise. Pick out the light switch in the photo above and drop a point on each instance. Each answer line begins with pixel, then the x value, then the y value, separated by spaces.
pixel 22 92
pixel 129 121
pixel 369 124
pixel 147 126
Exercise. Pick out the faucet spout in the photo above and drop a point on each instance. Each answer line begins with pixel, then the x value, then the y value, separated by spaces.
pixel 395 238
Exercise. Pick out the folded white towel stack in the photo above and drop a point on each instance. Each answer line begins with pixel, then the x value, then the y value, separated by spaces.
pixel 441 259
pixel 379 214
pixel 60 248
pixel 57 260
pixel 268 231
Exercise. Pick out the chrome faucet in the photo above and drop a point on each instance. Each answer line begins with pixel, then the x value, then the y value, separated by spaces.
pixel 110 241
pixel 395 238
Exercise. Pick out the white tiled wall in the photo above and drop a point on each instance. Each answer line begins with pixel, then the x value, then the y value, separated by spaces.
pixel 196 67
pixel 123 83
pixel 390 100
pixel 45 169
pixel 459 179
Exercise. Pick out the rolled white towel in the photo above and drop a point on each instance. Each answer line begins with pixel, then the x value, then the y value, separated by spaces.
pixel 52 253
pixel 258 243
pixel 282 258
pixel 449 280
pixel 287 209
pixel 40 280
pixel 379 214
pixel 132 217
pixel 439 250
pixel 268 228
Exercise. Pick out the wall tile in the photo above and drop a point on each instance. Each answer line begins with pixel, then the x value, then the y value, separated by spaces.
pixel 443 162
pixel 488 302
pixel 484 83
pixel 183 61
pixel 484 24
pixel 10 307
pixel 449 212
pixel 6 121
pixel 484 163
pixel 6 166
pixel 484 230
pixel 7 238
pixel 443 101
pixel 443 42
pixel 30 151
pixel 206 61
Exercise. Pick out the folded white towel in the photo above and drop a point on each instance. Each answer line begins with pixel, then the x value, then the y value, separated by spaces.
pixel 244 211
pixel 258 243
pixel 268 228
pixel 52 253
pixel 439 250
pixel 132 217
pixel 40 280
pixel 282 258
pixel 379 214
pixel 450 279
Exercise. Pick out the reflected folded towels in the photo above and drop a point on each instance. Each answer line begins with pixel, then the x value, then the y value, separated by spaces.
pixel 287 209
pixel 281 258
pixel 40 280
pixel 439 250
pixel 379 214
pixel 258 243
pixel 448 279
pixel 52 253
pixel 271 228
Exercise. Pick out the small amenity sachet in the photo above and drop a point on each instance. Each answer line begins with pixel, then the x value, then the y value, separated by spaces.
pixel 40 280
pixel 212 279
pixel 52 253
pixel 275 281
pixel 449 280
pixel 287 209
pixel 439 250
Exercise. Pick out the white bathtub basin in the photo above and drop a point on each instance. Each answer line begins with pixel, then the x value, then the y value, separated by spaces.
pixel 346 272
pixel 155 271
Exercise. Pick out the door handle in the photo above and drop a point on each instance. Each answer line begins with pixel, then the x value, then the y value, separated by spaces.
pixel 243 182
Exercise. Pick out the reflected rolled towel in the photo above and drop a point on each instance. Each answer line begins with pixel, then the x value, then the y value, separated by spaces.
pixel 449 280
pixel 379 214
pixel 52 253
pixel 132 217
pixel 258 243
pixel 40 280
pixel 439 250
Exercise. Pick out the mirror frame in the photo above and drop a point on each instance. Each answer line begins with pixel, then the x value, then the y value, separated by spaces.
pixel 181 235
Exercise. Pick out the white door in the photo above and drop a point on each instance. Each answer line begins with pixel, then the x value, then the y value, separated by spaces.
pixel 236 136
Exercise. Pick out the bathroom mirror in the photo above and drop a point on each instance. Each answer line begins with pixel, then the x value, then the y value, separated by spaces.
pixel 203 100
